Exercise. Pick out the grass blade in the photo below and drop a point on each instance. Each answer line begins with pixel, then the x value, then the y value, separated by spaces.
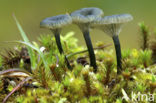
pixel 25 38
pixel 39 52
pixel 20 85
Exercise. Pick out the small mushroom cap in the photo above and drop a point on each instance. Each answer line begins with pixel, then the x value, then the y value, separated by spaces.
pixel 112 24
pixel 86 15
pixel 114 19
pixel 56 22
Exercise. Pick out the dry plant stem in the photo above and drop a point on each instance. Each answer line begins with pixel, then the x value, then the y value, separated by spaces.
pixel 44 82
pixel 145 39
pixel 86 78
pixel 145 44
pixel 102 47
pixel 152 90
pixel 16 88
pixel 153 48
pixel 107 75
pixel 59 45
pixel 118 53
pixel 90 49
pixel 12 70
pixel 52 68
pixel 35 98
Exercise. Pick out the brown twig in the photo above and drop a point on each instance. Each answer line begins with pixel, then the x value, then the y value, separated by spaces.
pixel 53 67
pixel 101 47
pixel 44 82
pixel 16 88
pixel 88 87
pixel 12 70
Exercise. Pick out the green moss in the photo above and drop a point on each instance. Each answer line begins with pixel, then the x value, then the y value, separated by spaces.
pixel 60 85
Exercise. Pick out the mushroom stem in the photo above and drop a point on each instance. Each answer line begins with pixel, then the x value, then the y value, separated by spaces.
pixel 90 49
pixel 58 42
pixel 118 53
pixel 59 46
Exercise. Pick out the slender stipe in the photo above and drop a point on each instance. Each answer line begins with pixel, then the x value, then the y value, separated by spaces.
pixel 118 53
pixel 83 18
pixel 58 42
pixel 59 46
pixel 90 49
pixel 55 24
pixel 112 26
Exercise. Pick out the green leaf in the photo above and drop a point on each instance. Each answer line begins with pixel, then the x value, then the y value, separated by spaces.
pixel 25 38
pixel 39 52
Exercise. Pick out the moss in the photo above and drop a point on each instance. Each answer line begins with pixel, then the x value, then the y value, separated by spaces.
pixel 60 85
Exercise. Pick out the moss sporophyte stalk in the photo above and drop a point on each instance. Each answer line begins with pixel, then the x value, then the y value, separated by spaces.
pixel 65 72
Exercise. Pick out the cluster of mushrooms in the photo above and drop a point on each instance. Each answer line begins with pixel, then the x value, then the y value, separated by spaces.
pixel 86 19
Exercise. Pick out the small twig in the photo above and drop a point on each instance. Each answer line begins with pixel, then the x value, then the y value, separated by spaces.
pixel 16 88
pixel 44 81
pixel 101 47
pixel 53 67
pixel 107 76
pixel 12 70
pixel 88 87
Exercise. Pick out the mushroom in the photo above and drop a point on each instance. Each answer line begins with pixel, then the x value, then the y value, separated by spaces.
pixel 112 26
pixel 55 24
pixel 83 18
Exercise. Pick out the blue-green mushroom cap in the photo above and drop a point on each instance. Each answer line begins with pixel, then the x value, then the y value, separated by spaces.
pixel 86 15
pixel 56 22
pixel 112 25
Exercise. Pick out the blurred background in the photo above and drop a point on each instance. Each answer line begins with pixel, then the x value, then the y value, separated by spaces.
pixel 31 12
